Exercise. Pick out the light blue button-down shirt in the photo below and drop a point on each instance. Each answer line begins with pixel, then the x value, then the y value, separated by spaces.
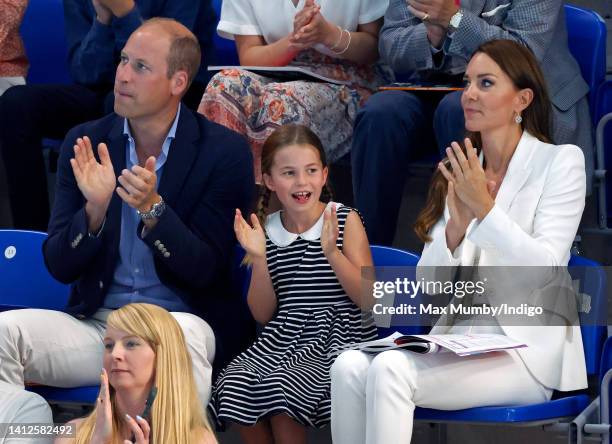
pixel 135 279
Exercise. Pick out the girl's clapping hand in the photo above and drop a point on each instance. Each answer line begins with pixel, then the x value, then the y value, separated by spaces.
pixel 330 231
pixel 252 239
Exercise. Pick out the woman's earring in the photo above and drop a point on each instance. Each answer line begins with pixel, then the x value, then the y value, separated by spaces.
pixel 518 119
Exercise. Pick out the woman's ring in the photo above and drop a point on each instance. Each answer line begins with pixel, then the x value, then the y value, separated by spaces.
pixel 425 17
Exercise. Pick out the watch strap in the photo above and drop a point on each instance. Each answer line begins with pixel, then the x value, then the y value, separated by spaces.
pixel 157 209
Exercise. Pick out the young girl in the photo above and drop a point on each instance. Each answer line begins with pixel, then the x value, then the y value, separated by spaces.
pixel 305 288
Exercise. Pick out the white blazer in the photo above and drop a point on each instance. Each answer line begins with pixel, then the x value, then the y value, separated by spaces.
pixel 534 221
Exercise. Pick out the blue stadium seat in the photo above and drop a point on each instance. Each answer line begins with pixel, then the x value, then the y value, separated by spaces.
pixel 25 282
pixel 226 49
pixel 44 37
pixel 393 257
pixel 586 38
pixel 241 273
pixel 603 157
pixel 385 257
pixel 77 395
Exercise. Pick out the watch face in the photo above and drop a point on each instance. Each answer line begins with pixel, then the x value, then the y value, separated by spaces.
pixel 456 19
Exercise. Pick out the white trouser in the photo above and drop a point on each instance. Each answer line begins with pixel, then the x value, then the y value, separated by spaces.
pixel 18 407
pixel 54 348
pixel 7 82
pixel 373 397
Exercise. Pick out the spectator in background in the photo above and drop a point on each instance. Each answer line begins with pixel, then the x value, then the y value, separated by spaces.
pixel 433 40
pixel 96 31
pixel 336 39
pixel 20 407
pixel 13 60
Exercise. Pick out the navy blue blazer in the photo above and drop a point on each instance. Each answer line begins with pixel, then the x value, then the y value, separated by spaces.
pixel 207 175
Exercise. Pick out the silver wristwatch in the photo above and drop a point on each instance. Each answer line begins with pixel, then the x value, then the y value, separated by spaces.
pixel 156 210
pixel 455 20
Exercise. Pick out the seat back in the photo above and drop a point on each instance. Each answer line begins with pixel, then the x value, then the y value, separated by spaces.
pixel 394 257
pixel 586 38
pixel 25 281
pixel 227 55
pixel 603 106
pixel 241 273
pixel 44 37
pixel 590 278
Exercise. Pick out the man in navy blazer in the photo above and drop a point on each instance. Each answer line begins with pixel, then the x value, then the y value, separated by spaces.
pixel 147 219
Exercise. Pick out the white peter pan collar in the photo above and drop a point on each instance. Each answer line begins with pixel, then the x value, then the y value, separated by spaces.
pixel 279 235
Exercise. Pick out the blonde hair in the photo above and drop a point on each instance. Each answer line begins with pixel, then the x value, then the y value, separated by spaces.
pixel 176 414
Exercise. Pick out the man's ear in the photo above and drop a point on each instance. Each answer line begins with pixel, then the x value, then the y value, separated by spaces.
pixel 180 83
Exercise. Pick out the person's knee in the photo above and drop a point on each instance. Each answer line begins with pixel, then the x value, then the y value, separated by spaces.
pixel 198 333
pixel 10 334
pixel 16 101
pixel 350 368
pixel 391 369
pixel 449 108
pixel 221 83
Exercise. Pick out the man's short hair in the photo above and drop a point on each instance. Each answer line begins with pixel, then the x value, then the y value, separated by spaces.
pixel 185 53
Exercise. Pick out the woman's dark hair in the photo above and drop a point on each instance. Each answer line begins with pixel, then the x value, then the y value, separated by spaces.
pixel 521 66
pixel 284 136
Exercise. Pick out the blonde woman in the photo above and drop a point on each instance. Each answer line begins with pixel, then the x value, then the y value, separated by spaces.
pixel 145 352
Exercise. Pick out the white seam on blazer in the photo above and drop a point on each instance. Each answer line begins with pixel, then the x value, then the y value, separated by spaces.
pixel 494 11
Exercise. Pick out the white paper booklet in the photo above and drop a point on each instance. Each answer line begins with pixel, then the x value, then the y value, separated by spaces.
pixel 284 73
pixel 462 345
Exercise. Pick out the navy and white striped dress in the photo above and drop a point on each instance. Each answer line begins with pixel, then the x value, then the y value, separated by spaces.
pixel 287 369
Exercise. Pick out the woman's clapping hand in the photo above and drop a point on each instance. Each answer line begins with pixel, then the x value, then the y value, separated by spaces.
pixel 311 28
pixel 468 179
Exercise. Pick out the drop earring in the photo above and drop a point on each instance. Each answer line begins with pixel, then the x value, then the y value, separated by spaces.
pixel 518 119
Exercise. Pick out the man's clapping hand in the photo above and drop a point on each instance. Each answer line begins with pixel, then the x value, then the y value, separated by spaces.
pixel 96 180
pixel 139 185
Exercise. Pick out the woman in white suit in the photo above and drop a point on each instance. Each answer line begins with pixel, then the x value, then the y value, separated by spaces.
pixel 515 199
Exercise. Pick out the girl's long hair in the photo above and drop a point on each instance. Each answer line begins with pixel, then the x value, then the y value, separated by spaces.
pixel 176 414
pixel 521 66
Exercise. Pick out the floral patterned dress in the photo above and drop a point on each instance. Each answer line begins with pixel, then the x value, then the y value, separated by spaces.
pixel 254 105
pixel 13 61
